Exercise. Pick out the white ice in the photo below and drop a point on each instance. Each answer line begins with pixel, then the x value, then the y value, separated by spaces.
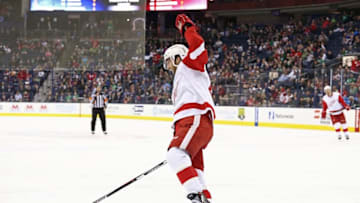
pixel 50 160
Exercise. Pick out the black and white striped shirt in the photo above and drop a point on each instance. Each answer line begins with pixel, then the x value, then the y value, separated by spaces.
pixel 98 101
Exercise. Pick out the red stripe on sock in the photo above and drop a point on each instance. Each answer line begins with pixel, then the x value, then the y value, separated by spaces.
pixel 207 194
pixel 337 130
pixel 345 130
pixel 187 174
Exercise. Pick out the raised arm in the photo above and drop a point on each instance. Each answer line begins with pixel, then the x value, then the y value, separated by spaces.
pixel 106 101
pixel 197 56
pixel 92 99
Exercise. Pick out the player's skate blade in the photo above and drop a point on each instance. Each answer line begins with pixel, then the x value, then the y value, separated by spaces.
pixel 93 132
pixel 347 137
pixel 105 133
pixel 197 198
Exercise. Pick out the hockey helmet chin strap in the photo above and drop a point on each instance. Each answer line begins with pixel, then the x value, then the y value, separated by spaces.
pixel 172 59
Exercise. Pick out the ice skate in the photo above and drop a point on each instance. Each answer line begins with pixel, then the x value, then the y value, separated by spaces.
pixel 105 133
pixel 197 198
pixel 339 137
pixel 93 132
pixel 347 137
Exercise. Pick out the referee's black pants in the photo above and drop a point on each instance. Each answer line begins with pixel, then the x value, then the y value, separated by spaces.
pixel 101 112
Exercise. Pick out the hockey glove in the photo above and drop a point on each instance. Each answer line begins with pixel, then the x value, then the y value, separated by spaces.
pixel 182 22
pixel 323 115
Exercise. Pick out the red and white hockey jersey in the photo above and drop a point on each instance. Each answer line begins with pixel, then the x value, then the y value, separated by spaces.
pixel 334 103
pixel 191 94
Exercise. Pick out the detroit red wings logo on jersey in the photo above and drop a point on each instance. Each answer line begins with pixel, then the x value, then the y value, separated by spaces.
pixel 332 102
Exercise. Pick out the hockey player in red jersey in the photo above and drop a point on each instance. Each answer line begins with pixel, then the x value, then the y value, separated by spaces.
pixel 194 110
pixel 334 102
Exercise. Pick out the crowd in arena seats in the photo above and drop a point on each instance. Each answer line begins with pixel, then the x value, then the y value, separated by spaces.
pixel 249 64
pixel 277 65
pixel 30 53
pixel 105 55
pixel 24 66
pixel 124 85
pixel 21 85
pixel 116 65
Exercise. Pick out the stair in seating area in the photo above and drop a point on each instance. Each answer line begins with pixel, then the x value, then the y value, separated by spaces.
pixel 64 59
pixel 41 95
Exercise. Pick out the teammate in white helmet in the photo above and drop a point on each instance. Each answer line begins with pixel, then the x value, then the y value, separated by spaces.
pixel 194 110
pixel 334 102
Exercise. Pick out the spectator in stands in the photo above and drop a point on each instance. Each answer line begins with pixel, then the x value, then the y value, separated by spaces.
pixel 18 96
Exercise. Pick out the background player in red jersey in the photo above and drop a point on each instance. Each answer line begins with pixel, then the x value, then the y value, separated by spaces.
pixel 194 110
pixel 334 102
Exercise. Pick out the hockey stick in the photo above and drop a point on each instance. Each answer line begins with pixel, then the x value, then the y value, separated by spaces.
pixel 130 182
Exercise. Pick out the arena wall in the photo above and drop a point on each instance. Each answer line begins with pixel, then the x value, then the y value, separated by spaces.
pixel 298 118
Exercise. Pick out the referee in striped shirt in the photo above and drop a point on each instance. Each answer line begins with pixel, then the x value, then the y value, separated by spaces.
pixel 99 103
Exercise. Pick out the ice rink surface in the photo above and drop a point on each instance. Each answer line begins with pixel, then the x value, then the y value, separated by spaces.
pixel 51 160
